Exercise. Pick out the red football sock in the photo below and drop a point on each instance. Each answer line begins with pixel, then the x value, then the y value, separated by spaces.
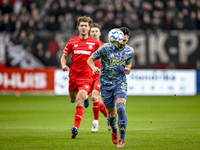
pixel 78 116
pixel 96 107
pixel 103 110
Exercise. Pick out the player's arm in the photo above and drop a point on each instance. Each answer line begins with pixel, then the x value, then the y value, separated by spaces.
pixel 63 62
pixel 127 69
pixel 90 63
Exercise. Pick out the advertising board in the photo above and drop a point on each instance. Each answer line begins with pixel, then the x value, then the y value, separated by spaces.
pixel 12 79
pixel 146 82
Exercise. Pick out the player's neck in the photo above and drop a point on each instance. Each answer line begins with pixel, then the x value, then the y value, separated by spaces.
pixel 96 39
pixel 83 37
pixel 119 48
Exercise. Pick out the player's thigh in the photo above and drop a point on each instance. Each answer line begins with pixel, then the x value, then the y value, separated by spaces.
pixel 96 85
pixel 81 95
pixel 120 92
pixel 84 85
pixel 107 95
pixel 73 90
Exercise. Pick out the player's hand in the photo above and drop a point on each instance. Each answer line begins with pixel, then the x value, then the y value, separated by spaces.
pixel 127 70
pixel 96 70
pixel 65 68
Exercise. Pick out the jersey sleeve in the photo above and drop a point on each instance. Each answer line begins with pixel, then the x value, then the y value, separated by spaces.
pixel 130 55
pixel 68 49
pixel 97 54
pixel 97 45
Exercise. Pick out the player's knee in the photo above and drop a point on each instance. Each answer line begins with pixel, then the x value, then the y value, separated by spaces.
pixel 95 97
pixel 120 108
pixel 112 114
pixel 79 102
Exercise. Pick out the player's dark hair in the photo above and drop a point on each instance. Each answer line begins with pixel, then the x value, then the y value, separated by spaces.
pixel 84 19
pixel 94 24
pixel 125 30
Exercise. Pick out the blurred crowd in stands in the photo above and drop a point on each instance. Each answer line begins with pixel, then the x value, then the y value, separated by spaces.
pixel 27 21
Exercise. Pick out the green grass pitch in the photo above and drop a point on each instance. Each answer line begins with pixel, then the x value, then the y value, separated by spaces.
pixel 44 123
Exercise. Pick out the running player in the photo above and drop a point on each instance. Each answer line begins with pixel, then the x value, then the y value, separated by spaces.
pixel 115 64
pixel 80 75
pixel 97 103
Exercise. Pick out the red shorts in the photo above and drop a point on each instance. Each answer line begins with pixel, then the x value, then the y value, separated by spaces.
pixel 96 85
pixel 77 85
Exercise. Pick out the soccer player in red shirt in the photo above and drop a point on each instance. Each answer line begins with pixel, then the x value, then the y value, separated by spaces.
pixel 80 75
pixel 97 103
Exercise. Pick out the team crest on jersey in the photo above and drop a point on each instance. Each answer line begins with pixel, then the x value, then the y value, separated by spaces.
pixel 90 46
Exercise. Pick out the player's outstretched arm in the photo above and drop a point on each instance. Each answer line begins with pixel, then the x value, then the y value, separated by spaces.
pixel 90 63
pixel 63 62
pixel 127 69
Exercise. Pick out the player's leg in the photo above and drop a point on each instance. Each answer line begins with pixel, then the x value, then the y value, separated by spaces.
pixel 95 108
pixel 107 95
pixel 74 130
pixel 112 118
pixel 121 96
pixel 112 121
pixel 102 107
pixel 79 107
pixel 104 112
pixel 122 120
pixel 95 103
pixel 87 98
pixel 83 88
pixel 86 101
pixel 79 112
pixel 72 96
pixel 73 90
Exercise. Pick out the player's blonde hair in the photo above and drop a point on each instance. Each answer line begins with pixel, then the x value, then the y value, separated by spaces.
pixel 84 19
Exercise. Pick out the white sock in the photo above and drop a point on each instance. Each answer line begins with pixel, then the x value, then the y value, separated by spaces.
pixel 96 121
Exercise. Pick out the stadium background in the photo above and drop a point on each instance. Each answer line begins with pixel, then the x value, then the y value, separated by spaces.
pixel 166 69
pixel 164 34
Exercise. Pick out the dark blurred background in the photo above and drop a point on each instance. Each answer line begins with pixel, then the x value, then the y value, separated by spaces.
pixel 164 34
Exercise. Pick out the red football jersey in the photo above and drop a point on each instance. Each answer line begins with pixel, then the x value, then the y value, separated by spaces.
pixel 97 62
pixel 81 51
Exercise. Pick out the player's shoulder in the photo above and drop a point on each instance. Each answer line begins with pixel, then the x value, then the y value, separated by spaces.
pixel 74 38
pixel 106 48
pixel 129 48
pixel 90 39
pixel 107 45
pixel 101 43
